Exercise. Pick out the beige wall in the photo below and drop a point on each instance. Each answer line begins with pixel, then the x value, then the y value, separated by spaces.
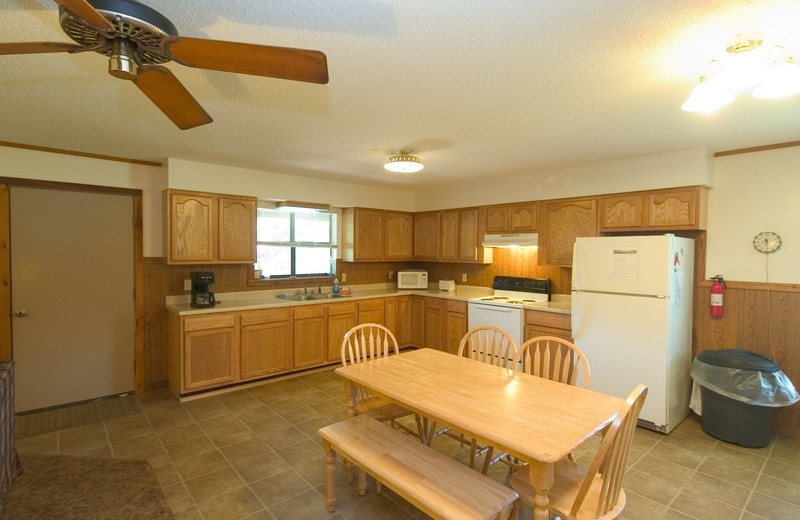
pixel 755 192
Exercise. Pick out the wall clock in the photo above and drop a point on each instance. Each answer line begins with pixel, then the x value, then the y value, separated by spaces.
pixel 767 242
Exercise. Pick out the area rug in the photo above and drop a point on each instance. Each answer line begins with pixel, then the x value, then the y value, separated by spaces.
pixel 86 488
pixel 54 419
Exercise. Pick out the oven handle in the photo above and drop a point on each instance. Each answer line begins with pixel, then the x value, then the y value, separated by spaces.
pixel 493 308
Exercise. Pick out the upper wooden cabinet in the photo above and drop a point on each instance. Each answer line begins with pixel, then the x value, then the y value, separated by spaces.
pixel 565 220
pixel 209 228
pixel 520 217
pixel 676 208
pixel 426 235
pixel 449 236
pixel 373 235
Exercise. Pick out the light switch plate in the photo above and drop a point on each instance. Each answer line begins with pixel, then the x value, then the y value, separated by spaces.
pixel 391 275
pixel 187 285
pixel 463 277
pixel 344 277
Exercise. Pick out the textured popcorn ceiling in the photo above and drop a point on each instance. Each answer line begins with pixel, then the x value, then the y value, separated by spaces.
pixel 476 88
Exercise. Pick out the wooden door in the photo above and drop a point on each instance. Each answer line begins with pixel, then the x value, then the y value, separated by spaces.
pixel 449 236
pixel 426 236
pixel 399 235
pixel 369 238
pixel 265 344
pixel 621 212
pixel 72 295
pixel 469 247
pixel 418 321
pixel 310 336
pixel 673 209
pixel 455 325
pixel 497 218
pixel 237 229
pixel 341 318
pixel 522 217
pixel 190 227
pixel 565 220
pixel 404 321
pixel 433 323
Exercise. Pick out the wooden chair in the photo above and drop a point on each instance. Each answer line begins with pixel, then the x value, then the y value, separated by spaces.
pixel 597 493
pixel 553 358
pixel 496 347
pixel 371 341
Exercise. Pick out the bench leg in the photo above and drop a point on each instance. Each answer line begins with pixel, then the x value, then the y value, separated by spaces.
pixel 330 476
pixel 515 509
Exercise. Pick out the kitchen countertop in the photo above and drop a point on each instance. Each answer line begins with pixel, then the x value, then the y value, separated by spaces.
pixel 251 300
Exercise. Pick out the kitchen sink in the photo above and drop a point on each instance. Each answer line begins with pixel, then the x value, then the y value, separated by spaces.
pixel 310 297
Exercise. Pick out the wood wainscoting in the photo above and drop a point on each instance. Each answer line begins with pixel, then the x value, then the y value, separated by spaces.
pixel 762 317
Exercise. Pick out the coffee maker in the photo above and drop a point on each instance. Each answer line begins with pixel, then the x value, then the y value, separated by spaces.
pixel 201 293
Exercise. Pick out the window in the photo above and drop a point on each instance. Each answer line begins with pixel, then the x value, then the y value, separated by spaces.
pixel 295 242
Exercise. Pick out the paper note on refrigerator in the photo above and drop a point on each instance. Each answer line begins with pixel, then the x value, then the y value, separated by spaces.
pixel 625 263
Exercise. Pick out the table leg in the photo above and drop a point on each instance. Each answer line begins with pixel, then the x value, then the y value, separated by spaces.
pixel 330 476
pixel 350 392
pixel 541 475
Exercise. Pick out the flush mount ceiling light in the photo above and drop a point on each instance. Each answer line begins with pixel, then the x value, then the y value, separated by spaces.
pixel 745 66
pixel 403 162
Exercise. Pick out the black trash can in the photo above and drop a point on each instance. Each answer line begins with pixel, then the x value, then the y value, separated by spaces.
pixel 739 389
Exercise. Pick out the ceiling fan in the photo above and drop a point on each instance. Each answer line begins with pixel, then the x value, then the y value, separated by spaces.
pixel 138 40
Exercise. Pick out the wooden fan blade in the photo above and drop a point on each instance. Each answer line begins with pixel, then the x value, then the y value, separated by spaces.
pixel 258 60
pixel 83 9
pixel 37 47
pixel 163 88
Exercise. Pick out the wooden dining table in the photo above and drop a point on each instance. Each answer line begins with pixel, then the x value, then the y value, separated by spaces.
pixel 532 418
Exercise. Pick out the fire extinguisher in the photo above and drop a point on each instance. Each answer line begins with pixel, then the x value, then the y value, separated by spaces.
pixel 717 288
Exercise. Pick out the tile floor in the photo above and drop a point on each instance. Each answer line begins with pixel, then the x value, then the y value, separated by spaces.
pixel 253 454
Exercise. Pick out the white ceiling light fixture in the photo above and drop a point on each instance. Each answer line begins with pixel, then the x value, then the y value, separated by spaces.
pixel 744 68
pixel 403 162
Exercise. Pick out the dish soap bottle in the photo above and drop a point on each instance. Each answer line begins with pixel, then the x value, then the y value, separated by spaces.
pixel 335 286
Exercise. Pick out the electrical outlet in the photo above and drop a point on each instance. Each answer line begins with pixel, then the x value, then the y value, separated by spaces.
pixel 344 277
pixel 463 277
pixel 391 275
pixel 187 285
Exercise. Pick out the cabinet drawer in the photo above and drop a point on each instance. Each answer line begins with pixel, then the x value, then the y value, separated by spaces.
pixel 433 303
pixel 208 321
pixel 341 308
pixel 264 316
pixel 309 311
pixel 456 306
pixel 554 320
pixel 377 304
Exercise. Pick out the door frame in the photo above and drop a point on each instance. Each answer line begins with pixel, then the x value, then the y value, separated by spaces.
pixel 6 351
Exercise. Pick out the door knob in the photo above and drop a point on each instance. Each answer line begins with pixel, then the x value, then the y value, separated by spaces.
pixel 21 313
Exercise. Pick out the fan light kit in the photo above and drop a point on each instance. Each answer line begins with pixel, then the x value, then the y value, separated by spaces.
pixel 767 242
pixel 774 76
pixel 403 162
pixel 138 40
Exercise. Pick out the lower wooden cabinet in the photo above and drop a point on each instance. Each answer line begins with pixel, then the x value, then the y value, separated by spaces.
pixel 455 324
pixel 433 323
pixel 203 352
pixel 418 321
pixel 544 323
pixel 310 337
pixel 341 318
pixel 372 311
pixel 265 342
pixel 404 328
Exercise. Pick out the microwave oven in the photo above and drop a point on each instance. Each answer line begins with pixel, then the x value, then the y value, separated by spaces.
pixel 412 279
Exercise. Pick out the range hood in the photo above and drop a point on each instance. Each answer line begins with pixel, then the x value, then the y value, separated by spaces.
pixel 511 240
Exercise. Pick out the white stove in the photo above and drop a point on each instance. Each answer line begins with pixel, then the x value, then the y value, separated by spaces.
pixel 504 309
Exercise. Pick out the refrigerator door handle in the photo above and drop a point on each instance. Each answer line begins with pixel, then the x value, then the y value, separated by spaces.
pixel 575 316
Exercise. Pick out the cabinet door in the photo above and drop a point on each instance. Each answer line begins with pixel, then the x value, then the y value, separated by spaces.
pixel 565 220
pixel 209 358
pixel 190 227
pixel 522 217
pixel 497 218
pixel 418 321
pixel 341 318
pixel 674 209
pixel 621 211
pixel 265 342
pixel 469 248
pixel 310 336
pixel 237 229
pixel 404 323
pixel 372 311
pixel 390 316
pixel 426 236
pixel 455 325
pixel 449 236
pixel 543 323
pixel 398 236
pixel 433 323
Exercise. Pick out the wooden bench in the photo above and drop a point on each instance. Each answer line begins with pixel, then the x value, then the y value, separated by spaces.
pixel 436 484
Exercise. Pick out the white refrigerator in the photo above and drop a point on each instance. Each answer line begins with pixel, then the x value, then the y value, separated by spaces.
pixel 632 318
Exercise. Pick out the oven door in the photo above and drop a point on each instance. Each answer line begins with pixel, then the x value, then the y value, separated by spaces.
pixel 507 318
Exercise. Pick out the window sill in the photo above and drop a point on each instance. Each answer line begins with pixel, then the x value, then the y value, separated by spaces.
pixel 277 283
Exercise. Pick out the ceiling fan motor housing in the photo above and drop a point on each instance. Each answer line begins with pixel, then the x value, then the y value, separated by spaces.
pixel 138 33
